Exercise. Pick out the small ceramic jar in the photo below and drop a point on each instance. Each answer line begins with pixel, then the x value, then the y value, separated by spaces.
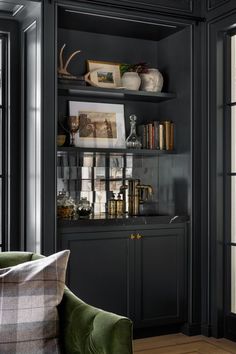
pixel 131 81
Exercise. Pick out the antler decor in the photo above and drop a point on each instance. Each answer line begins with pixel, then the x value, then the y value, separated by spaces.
pixel 62 70
pixel 87 78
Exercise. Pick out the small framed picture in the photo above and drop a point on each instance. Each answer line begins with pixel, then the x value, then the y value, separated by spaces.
pixel 101 125
pixel 104 74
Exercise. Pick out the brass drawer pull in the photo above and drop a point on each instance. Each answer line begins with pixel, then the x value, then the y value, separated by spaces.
pixel 139 236
pixel 132 237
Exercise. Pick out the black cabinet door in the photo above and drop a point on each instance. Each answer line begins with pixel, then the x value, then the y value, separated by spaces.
pixel 160 277
pixel 99 269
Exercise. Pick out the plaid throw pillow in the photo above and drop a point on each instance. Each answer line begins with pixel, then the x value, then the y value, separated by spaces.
pixel 29 295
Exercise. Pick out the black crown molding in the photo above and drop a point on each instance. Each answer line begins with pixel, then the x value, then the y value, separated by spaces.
pixel 167 5
pixel 129 6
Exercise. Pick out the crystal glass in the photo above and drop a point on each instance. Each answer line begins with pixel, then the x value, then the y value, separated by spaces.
pixel 133 141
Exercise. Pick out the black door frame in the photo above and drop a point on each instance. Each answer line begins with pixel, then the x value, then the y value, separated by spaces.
pixel 216 219
pixel 4 148
pixel 229 317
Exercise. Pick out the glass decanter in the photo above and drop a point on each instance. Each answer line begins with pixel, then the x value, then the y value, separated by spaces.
pixel 65 206
pixel 133 141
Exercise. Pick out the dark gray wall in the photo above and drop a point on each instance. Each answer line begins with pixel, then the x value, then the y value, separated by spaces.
pixel 175 171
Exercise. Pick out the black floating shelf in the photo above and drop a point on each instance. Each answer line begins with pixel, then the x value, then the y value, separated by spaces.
pixel 74 90
pixel 140 152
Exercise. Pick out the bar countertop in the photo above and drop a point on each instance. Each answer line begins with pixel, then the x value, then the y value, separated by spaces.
pixel 123 221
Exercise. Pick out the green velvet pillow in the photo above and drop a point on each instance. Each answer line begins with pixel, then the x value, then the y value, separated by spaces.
pixel 29 295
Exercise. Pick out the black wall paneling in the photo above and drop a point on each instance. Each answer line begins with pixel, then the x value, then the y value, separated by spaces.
pixel 205 271
pixel 10 29
pixel 49 127
pixel 217 8
pixel 212 4
pixel 31 129
pixel 38 176
pixel 230 322
pixel 30 43
pixel 195 196
pixel 216 177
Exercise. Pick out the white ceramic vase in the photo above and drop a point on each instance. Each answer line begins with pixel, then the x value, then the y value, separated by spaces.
pixel 152 81
pixel 131 81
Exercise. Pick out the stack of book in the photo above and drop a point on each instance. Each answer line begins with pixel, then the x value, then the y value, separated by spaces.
pixel 157 135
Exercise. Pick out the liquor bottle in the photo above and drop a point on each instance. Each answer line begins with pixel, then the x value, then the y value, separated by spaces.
pixel 119 205
pixel 112 205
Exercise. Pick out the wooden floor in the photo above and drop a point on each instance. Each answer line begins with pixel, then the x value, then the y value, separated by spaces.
pixel 181 344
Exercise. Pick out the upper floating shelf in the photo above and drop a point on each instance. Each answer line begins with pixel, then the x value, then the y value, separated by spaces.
pixel 140 152
pixel 73 90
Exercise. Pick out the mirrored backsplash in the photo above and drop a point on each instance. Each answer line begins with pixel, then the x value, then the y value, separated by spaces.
pixel 97 176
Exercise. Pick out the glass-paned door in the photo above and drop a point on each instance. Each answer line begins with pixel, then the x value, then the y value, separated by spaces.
pixel 3 143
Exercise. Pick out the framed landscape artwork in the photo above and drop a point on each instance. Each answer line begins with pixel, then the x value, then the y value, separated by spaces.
pixel 101 125
pixel 104 74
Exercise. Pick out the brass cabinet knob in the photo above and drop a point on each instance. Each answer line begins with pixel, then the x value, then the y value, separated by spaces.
pixel 138 236
pixel 132 237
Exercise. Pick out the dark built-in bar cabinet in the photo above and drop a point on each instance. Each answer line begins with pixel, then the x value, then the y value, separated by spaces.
pixel 164 265
pixel 135 265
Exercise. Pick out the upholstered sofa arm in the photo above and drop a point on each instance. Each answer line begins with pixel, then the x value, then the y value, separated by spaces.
pixel 88 330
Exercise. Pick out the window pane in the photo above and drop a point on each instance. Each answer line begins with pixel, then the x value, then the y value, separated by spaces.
pixel 1 146
pixel 1 211
pixel 233 139
pixel 233 279
pixel 233 209
pixel 0 71
pixel 233 68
